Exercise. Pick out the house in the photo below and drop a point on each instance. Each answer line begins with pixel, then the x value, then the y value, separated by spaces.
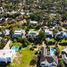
pixel 33 22
pixel 48 60
pixel 12 12
pixel 6 32
pixel 61 35
pixel 32 34
pixel 54 23
pixel 64 25
pixel 48 33
pixel 65 35
pixel 19 33
pixel 7 55
pixel 22 12
pixel 2 20
pixel 64 55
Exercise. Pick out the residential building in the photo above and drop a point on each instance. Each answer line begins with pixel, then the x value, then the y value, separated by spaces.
pixel 19 33
pixel 7 55
pixel 48 60
pixel 48 33
pixel 64 55
pixel 32 34
pixel 61 35
pixel 33 22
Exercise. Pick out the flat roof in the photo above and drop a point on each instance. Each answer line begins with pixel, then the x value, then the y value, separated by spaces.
pixel 65 50
pixel 6 53
pixel 33 22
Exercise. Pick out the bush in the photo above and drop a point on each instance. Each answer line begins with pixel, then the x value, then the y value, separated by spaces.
pixel 25 42
pixel 36 52
pixel 42 35
pixel 63 42
pixel 50 42
pixel 32 48
pixel 16 44
pixel 2 44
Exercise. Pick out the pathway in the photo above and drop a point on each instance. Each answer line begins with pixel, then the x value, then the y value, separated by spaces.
pixel 45 50
pixel 7 45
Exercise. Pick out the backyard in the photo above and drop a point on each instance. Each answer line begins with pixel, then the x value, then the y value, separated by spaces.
pixel 23 58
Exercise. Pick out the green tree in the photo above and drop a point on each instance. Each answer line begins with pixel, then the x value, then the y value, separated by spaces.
pixel 61 64
pixel 42 35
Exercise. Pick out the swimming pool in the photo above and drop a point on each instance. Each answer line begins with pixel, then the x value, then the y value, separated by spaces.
pixel 16 48
pixel 52 51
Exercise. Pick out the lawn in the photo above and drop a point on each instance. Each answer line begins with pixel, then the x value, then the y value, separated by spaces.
pixel 23 59
pixel 61 47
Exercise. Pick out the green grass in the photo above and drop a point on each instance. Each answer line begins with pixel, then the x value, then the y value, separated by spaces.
pixel 61 47
pixel 24 60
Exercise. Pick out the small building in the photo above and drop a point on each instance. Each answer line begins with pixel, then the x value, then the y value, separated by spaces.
pixel 2 20
pixel 33 22
pixel 48 33
pixel 12 12
pixel 19 33
pixel 33 34
pixel 61 35
pixel 64 25
pixel 7 55
pixel 22 13
pixel 6 32
pixel 48 60
pixel 64 55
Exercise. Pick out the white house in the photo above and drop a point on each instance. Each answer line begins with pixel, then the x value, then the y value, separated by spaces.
pixel 7 55
pixel 33 22
pixel 19 33
pixel 12 12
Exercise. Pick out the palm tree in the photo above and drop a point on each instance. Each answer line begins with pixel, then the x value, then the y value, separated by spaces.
pixel 33 62
pixel 61 64
pixel 11 33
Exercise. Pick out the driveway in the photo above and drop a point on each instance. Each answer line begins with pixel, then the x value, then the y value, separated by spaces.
pixel 7 45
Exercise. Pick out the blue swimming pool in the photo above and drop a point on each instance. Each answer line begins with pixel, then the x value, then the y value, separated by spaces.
pixel 52 51
pixel 16 48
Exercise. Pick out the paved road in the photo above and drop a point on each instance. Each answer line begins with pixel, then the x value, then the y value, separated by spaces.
pixel 7 45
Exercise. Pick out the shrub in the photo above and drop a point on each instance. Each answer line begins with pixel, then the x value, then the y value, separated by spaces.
pixel 52 41
pixel 32 48
pixel 16 44
pixel 63 42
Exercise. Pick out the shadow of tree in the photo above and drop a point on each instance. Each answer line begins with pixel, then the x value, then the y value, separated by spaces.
pixel 33 62
pixel 3 64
